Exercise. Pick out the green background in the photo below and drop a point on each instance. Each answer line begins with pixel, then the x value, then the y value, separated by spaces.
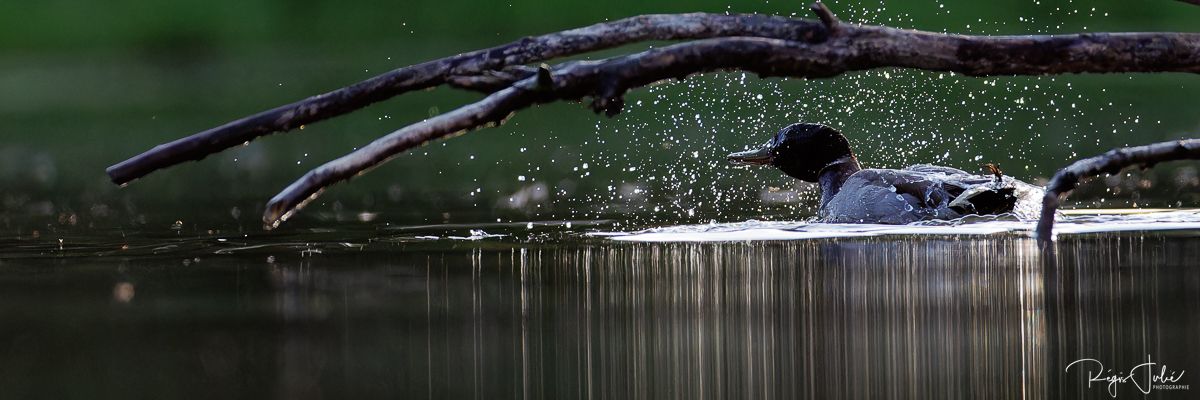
pixel 84 85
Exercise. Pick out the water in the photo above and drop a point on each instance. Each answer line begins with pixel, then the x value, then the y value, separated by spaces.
pixel 514 311
pixel 1078 221
pixel 565 255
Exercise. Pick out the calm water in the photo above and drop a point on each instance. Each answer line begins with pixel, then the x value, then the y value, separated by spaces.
pixel 549 312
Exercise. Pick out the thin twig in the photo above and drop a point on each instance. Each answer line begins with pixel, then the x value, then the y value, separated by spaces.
pixel 827 18
pixel 435 73
pixel 1112 162
pixel 858 48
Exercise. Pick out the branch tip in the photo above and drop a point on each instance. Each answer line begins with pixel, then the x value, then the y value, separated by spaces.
pixel 827 18
pixel 1111 162
pixel 544 79
pixel 610 106
pixel 610 98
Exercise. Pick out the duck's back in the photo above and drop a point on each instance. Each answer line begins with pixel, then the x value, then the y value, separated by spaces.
pixel 887 196
pixel 920 192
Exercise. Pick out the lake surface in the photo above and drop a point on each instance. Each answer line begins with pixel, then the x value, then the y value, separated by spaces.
pixel 546 311
pixel 452 271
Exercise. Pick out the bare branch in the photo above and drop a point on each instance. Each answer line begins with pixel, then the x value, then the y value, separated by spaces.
pixel 492 109
pixel 435 73
pixel 826 16
pixel 1112 162
pixel 491 81
pixel 859 48
pixel 865 47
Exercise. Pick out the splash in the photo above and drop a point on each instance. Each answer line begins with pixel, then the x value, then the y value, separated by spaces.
pixel 670 142
pixel 1073 222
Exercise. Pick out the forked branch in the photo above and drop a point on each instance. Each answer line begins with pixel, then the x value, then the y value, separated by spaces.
pixel 1112 162
pixel 606 81
pixel 826 16
pixel 768 46
pixel 437 72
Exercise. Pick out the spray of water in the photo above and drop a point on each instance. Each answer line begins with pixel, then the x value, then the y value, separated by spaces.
pixel 662 160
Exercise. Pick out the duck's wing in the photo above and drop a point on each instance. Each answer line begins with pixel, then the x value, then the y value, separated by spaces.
pixel 985 199
pixel 937 169
pixel 964 186
pixel 1007 195
pixel 954 184
pixel 889 196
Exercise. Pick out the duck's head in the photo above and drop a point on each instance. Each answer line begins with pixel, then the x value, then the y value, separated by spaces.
pixel 803 151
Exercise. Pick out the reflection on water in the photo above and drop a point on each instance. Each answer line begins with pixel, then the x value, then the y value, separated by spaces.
pixel 831 318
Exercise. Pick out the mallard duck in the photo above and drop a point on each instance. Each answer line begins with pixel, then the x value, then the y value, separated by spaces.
pixel 851 194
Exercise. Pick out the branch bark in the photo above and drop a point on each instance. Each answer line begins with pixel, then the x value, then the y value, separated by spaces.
pixel 855 49
pixel 435 73
pixel 826 16
pixel 1112 162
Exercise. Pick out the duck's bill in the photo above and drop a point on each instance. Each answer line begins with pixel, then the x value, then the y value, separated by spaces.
pixel 752 157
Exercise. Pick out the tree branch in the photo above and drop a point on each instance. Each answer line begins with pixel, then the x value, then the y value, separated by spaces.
pixel 826 16
pixel 1112 162
pixel 491 81
pixel 435 73
pixel 855 48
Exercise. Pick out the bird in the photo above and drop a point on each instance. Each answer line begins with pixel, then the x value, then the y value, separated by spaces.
pixel 850 194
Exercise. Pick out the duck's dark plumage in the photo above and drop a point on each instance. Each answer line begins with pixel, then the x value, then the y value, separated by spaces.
pixel 921 192
pixel 850 194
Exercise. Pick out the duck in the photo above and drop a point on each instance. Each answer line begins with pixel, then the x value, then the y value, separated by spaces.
pixel 851 194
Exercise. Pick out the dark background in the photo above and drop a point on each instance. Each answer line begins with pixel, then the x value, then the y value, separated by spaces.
pixel 84 85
